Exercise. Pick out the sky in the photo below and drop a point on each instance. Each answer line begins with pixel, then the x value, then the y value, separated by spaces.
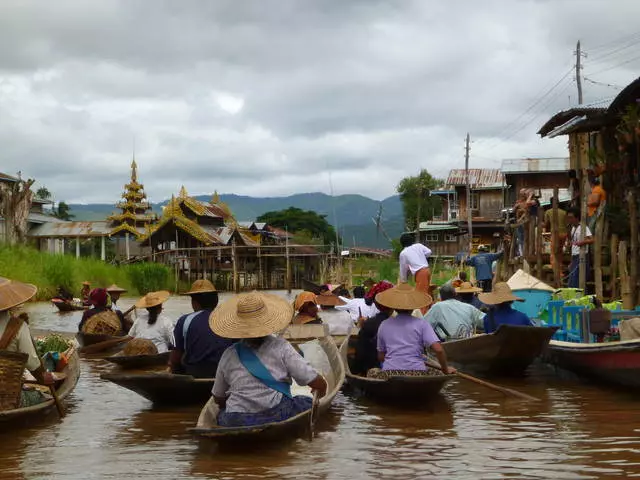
pixel 271 98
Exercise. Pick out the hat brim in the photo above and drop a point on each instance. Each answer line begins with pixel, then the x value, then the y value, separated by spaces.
pixel 403 297
pixel 274 317
pixel 468 290
pixel 14 293
pixel 492 298
pixel 329 300
pixel 204 290
pixel 116 289
pixel 162 297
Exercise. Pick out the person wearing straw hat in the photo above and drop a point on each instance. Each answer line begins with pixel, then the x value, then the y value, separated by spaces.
pixel 467 293
pixel 150 324
pixel 197 349
pixel 98 299
pixel 455 319
pixel 85 291
pixel 502 313
pixel 306 304
pixel 403 339
pixel 253 383
pixel 114 292
pixel 366 355
pixel 15 335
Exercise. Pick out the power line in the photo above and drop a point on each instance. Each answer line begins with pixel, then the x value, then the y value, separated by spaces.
pixel 613 42
pixel 617 87
pixel 600 58
pixel 615 66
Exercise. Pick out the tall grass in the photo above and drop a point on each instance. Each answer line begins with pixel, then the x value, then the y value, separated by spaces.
pixel 388 269
pixel 48 272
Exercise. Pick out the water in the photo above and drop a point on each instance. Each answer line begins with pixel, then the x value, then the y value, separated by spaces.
pixel 577 431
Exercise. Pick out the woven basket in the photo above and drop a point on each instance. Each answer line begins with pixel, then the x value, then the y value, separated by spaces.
pixel 11 369
pixel 139 346
pixel 103 323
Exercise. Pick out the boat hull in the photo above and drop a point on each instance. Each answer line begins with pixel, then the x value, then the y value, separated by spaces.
pixel 27 414
pixel 165 388
pixel 67 307
pixel 139 361
pixel 615 363
pixel 510 350
pixel 394 390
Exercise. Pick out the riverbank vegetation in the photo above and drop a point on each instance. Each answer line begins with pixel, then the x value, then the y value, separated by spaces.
pixel 388 268
pixel 48 272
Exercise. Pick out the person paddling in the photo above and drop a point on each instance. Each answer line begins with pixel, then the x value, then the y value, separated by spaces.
pixel 253 383
pixel 197 349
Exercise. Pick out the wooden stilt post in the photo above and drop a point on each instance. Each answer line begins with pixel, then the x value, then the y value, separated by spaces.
pixel 260 282
pixel 625 284
pixel 613 269
pixel 126 236
pixel 597 257
pixel 77 247
pixel 539 243
pixel 236 284
pixel 287 276
pixel 103 253
pixel 633 244
pixel 556 250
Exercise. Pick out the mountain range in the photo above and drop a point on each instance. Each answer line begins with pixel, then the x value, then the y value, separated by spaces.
pixel 354 213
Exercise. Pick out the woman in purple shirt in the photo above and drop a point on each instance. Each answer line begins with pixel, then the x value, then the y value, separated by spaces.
pixel 402 340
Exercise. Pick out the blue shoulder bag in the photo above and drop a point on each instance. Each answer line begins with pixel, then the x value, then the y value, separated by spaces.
pixel 252 363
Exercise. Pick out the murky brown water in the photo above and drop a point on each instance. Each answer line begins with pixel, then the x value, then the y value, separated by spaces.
pixel 577 431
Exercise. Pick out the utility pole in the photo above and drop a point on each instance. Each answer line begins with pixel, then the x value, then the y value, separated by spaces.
pixel 466 173
pixel 578 68
pixel 584 186
pixel 419 208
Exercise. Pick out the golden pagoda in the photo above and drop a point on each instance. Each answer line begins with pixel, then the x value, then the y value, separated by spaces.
pixel 135 217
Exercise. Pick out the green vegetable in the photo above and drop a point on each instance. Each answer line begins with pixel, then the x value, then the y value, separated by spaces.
pixel 52 343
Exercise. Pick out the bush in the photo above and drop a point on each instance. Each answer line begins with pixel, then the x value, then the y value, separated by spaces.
pixel 149 277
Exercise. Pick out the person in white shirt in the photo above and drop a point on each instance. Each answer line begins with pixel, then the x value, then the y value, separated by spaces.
pixel 414 261
pixel 357 306
pixel 339 322
pixel 150 324
pixel 576 241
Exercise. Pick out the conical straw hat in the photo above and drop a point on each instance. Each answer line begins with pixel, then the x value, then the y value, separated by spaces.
pixel 152 299
pixel 14 293
pixel 303 298
pixel 201 286
pixel 467 287
pixel 328 299
pixel 501 293
pixel 403 297
pixel 251 315
pixel 116 289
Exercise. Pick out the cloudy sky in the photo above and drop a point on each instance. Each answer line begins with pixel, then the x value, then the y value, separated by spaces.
pixel 278 97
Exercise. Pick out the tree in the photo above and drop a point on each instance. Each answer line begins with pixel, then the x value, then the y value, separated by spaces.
pixel 63 212
pixel 303 223
pixel 43 193
pixel 415 194
pixel 15 204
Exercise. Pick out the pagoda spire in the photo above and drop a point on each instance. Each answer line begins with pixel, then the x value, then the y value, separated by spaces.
pixel 134 170
pixel 215 199
pixel 183 192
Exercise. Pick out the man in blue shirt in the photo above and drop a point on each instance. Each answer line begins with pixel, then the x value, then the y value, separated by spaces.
pixel 198 350
pixel 501 312
pixel 482 263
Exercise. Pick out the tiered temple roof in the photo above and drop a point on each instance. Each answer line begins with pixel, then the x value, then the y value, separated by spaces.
pixel 136 216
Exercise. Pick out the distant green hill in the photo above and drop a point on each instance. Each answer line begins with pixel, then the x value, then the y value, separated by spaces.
pixel 354 212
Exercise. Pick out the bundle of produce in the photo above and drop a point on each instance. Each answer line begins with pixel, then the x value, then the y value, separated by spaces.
pixel 567 293
pixel 52 343
pixel 103 323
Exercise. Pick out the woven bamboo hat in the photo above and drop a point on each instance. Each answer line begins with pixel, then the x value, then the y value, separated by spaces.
pixel 116 289
pixel 303 298
pixel 14 293
pixel 467 287
pixel 251 315
pixel 201 286
pixel 501 293
pixel 86 283
pixel 403 297
pixel 152 299
pixel 328 299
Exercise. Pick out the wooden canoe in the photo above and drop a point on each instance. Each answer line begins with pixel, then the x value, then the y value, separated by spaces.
pixel 509 350
pixel 71 374
pixel 139 361
pixel 67 306
pixel 86 339
pixel 165 388
pixel 615 363
pixel 107 344
pixel 398 390
pixel 315 288
pixel 207 426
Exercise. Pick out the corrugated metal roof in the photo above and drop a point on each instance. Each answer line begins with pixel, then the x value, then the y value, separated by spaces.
pixel 432 227
pixel 71 230
pixel 7 178
pixel 531 165
pixel 42 218
pixel 478 177
pixel 565 116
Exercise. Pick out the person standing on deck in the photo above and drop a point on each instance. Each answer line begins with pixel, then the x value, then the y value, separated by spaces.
pixel 482 263
pixel 576 241
pixel 562 229
pixel 454 318
pixel 197 349
pixel 595 202
pixel 500 299
pixel 414 259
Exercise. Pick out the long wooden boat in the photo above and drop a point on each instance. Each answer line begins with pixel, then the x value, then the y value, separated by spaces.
pixel 509 350
pixel 71 374
pixel 65 306
pixel 139 361
pixel 399 390
pixel 101 345
pixel 165 388
pixel 615 363
pixel 208 427
pixel 315 288
pixel 86 339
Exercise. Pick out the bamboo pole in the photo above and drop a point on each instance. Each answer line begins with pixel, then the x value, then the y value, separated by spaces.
pixel 584 188
pixel 625 284
pixel 234 260
pixel 260 280
pixel 556 251
pixel 633 244
pixel 613 269
pixel 597 257
pixel 539 243
pixel 287 276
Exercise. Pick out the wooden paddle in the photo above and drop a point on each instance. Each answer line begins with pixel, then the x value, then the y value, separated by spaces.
pixel 52 389
pixel 133 307
pixel 493 386
pixel 314 415
pixel 101 346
